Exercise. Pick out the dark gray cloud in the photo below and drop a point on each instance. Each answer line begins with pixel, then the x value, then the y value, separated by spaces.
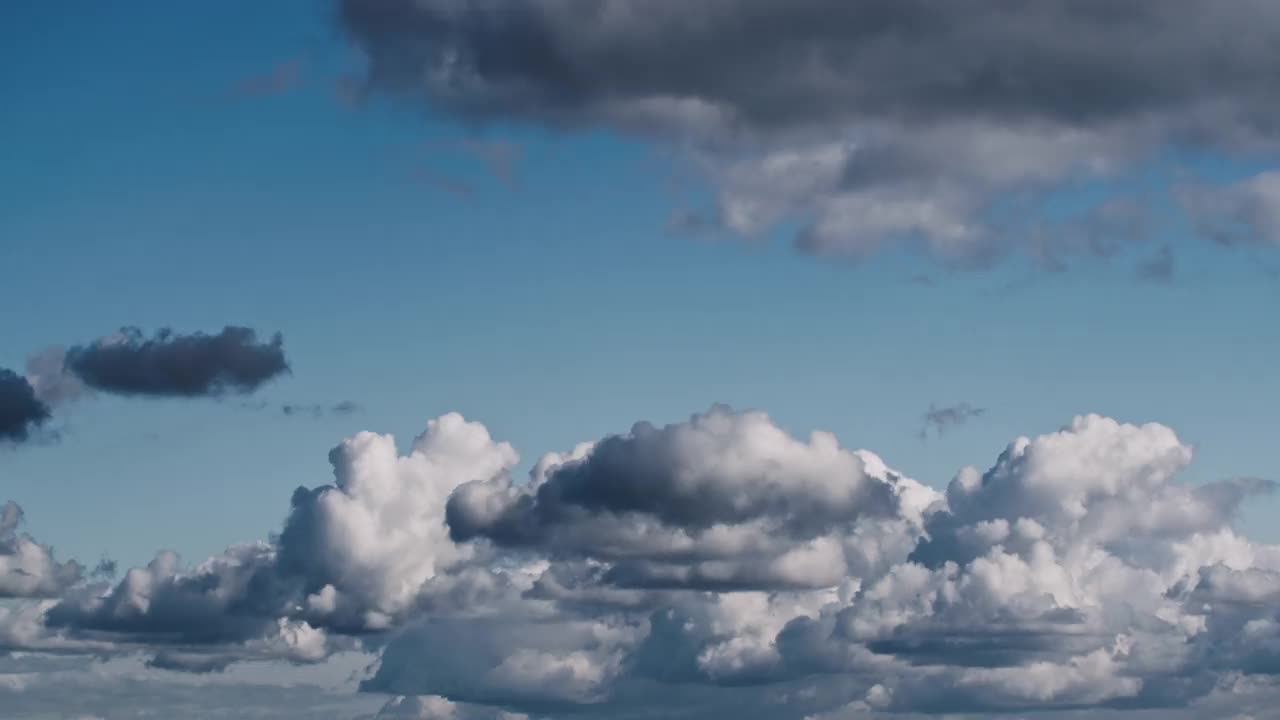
pixel 21 411
pixel 868 122
pixel 176 365
pixel 725 500
pixel 941 419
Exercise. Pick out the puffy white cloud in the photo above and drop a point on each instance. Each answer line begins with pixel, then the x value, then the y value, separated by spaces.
pixel 722 566
pixel 366 544
pixel 354 557
pixel 28 568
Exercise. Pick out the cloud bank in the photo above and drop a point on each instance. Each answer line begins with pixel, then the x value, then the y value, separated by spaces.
pixel 867 123
pixel 723 566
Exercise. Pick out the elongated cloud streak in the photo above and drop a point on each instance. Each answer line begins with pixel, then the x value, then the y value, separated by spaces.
pixel 171 364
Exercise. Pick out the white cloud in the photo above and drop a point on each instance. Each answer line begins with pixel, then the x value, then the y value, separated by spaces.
pixel 722 566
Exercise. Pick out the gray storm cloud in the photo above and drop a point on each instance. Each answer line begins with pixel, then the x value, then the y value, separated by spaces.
pixel 719 566
pixel 869 122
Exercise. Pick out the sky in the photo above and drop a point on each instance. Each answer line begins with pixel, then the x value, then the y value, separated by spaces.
pixel 919 231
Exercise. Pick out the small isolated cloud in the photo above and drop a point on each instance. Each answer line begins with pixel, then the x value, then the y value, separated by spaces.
pixel 346 407
pixel 938 420
pixel 21 411
pixel 171 364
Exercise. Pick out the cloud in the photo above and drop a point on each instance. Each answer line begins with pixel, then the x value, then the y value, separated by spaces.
pixel 1244 212
pixel 27 568
pixel 21 411
pixel 345 407
pixel 868 123
pixel 722 566
pixel 49 378
pixel 726 500
pixel 434 707
pixel 941 419
pixel 176 365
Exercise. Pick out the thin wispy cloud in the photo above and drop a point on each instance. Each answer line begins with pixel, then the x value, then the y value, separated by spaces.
pixel 315 410
pixel 938 420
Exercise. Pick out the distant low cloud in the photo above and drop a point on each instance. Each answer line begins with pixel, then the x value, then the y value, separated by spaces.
pixel 21 411
pixel 938 420
pixel 171 364
pixel 722 567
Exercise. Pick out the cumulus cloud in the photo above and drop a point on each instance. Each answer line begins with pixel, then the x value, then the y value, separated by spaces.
pixel 868 123
pixel 726 500
pixel 723 566
pixel 176 365
pixel 28 569
pixel 21 411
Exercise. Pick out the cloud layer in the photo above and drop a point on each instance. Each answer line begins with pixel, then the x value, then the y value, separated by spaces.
pixel 722 566
pixel 868 123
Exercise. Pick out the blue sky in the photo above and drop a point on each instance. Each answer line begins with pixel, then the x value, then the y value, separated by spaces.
pixel 143 183
pixel 555 310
